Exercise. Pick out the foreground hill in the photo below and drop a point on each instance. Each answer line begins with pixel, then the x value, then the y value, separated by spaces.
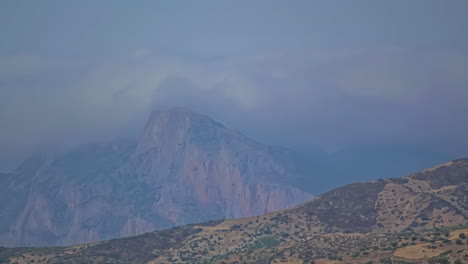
pixel 185 168
pixel 421 218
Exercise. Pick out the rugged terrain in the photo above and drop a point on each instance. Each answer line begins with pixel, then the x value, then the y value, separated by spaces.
pixel 421 218
pixel 184 168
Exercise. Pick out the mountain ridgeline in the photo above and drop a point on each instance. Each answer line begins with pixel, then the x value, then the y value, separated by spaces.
pixel 184 168
pixel 421 218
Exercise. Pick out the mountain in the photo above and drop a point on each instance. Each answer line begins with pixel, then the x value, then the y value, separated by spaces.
pixel 184 168
pixel 421 218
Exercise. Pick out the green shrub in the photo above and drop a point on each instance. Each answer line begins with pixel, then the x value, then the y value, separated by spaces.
pixel 266 242
pixel 439 260
pixel 385 261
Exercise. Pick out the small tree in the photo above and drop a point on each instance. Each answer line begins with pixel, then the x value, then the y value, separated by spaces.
pixel 462 235
pixel 458 242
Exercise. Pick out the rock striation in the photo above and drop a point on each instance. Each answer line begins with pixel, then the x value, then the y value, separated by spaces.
pixel 185 168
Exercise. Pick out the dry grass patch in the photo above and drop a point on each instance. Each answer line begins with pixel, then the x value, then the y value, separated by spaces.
pixel 454 234
pixel 417 252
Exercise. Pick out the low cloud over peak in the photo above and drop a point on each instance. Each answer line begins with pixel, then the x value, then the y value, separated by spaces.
pixel 320 97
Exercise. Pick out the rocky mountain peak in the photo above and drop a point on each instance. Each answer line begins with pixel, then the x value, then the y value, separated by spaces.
pixel 185 168
pixel 170 128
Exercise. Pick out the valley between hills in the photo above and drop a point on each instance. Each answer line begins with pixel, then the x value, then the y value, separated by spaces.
pixel 420 218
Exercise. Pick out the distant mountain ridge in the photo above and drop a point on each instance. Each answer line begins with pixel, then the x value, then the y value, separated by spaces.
pixel 418 219
pixel 184 168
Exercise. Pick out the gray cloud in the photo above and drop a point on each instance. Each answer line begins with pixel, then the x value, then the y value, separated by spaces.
pixel 320 97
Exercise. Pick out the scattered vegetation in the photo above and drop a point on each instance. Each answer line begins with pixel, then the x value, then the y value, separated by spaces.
pixel 371 223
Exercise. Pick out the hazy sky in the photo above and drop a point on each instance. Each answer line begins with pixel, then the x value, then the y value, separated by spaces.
pixel 327 73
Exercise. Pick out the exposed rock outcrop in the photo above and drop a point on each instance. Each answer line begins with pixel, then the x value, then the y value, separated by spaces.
pixel 185 168
pixel 421 218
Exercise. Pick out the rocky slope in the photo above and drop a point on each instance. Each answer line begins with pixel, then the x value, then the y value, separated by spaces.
pixel 185 168
pixel 421 218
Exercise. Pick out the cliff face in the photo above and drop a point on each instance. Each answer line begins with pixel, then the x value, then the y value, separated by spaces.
pixel 185 168
pixel 415 219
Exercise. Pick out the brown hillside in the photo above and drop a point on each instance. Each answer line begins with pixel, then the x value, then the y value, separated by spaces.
pixel 415 219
